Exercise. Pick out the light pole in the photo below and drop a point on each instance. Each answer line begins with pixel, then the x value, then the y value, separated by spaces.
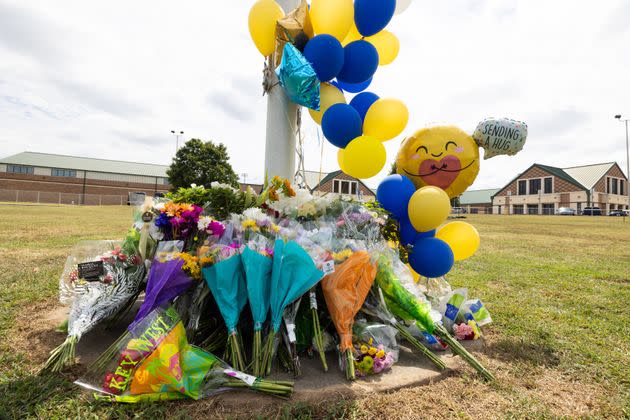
pixel 627 158
pixel 281 121
pixel 177 136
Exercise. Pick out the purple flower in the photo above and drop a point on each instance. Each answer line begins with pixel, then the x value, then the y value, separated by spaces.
pixel 163 221
pixel 177 221
pixel 216 228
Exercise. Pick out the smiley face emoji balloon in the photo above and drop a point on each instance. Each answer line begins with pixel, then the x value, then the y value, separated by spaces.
pixel 442 156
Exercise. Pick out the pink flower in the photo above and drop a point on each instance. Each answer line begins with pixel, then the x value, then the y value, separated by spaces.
pixel 216 228
pixel 463 332
pixel 108 279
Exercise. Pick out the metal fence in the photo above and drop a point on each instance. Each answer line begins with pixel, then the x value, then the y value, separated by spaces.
pixel 48 197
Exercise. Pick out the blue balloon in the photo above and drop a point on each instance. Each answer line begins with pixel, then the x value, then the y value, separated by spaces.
pixel 360 87
pixel 362 102
pixel 341 124
pixel 372 16
pixel 394 193
pixel 407 232
pixel 326 55
pixel 360 62
pixel 431 257
pixel 429 234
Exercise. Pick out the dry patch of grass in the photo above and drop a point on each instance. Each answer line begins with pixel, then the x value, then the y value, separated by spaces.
pixel 558 290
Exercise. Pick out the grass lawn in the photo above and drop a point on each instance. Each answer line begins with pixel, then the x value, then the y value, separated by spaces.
pixel 558 289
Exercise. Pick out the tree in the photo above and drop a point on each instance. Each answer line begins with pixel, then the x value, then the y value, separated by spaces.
pixel 201 163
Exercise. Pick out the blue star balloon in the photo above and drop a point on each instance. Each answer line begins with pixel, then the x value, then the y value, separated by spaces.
pixel 298 78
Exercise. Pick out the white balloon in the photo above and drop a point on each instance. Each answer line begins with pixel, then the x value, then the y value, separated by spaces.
pixel 401 6
pixel 501 136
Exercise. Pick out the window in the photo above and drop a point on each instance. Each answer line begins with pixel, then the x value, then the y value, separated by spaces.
pixel 622 184
pixel 548 185
pixel 615 185
pixel 607 185
pixel 20 169
pixel 345 187
pixel 549 209
pixel 532 209
pixel 518 209
pixel 522 187
pixel 534 186
pixel 69 173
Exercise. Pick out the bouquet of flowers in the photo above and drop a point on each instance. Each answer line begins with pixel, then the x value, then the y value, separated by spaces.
pixel 178 221
pixel 293 274
pixel 99 280
pixel 345 291
pixel 375 307
pixel 402 303
pixel 155 362
pixel 226 280
pixel 257 262
pixel 376 348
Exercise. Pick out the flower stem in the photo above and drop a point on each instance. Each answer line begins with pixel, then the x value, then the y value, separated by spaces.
pixel 319 340
pixel 236 355
pixel 62 356
pixel 350 373
pixel 257 353
pixel 458 349
pixel 425 351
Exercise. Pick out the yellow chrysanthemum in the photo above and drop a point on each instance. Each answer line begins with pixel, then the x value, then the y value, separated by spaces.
pixel 364 349
pixel 373 351
pixel 380 354
pixel 250 224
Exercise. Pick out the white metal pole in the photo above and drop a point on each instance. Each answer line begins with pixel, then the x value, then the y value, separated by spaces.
pixel 281 124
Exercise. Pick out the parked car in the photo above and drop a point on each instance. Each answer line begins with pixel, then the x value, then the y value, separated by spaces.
pixel 566 211
pixel 458 210
pixel 619 213
pixel 158 195
pixel 592 211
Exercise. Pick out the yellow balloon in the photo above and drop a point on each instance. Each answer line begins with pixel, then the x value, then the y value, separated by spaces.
pixel 428 208
pixel 462 237
pixel 386 119
pixel 329 95
pixel 333 17
pixel 263 17
pixel 387 45
pixel 353 35
pixel 340 156
pixel 364 157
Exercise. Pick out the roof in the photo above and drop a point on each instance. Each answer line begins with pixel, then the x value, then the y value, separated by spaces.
pixel 584 177
pixel 49 160
pixel 589 175
pixel 313 178
pixel 561 173
pixel 334 175
pixel 478 196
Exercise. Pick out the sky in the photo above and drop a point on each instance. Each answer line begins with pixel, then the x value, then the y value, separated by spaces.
pixel 112 79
